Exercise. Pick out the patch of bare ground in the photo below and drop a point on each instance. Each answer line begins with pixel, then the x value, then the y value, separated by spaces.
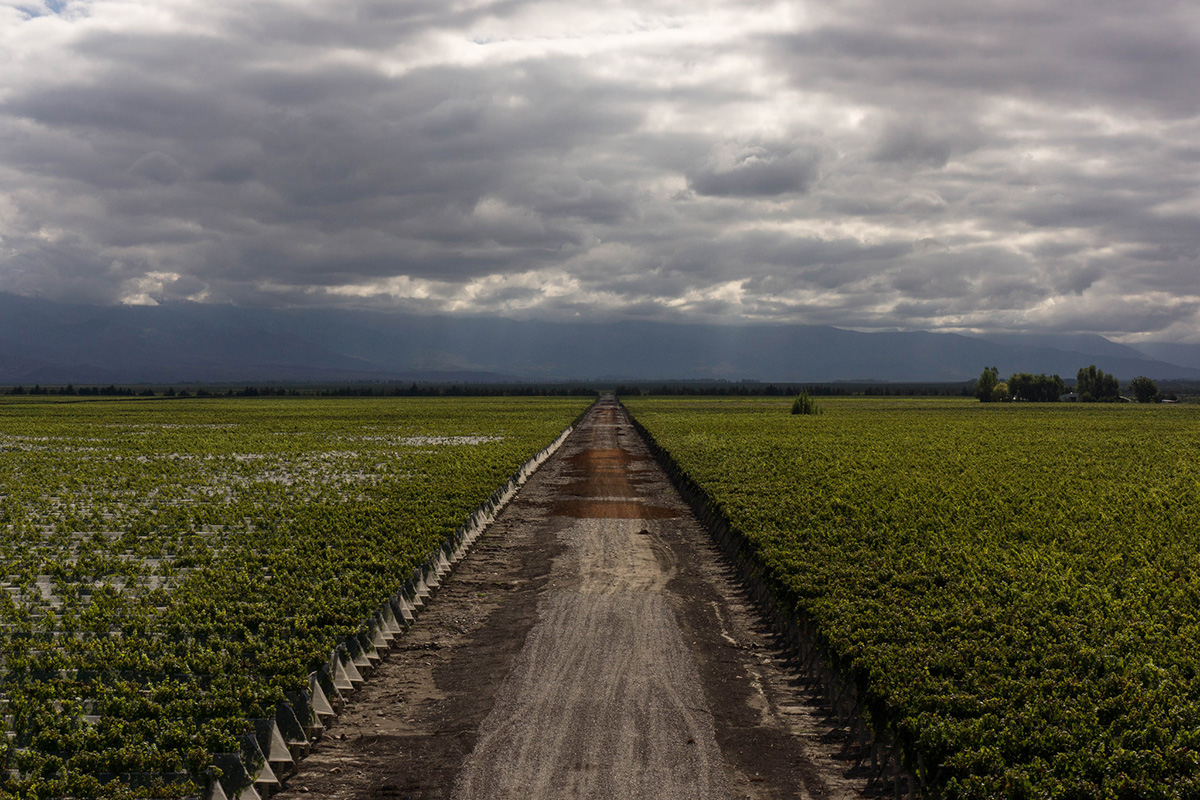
pixel 593 644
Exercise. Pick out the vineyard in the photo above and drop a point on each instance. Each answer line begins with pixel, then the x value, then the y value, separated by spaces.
pixel 175 573
pixel 1014 590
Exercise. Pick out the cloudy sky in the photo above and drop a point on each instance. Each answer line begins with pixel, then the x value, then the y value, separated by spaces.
pixel 875 164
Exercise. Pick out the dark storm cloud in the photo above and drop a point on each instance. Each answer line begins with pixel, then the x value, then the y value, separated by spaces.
pixel 756 171
pixel 918 141
pixel 1077 53
pixel 861 163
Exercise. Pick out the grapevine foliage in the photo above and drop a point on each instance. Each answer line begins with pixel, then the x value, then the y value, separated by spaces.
pixel 1015 589
pixel 171 568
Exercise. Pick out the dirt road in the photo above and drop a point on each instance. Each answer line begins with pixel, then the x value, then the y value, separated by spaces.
pixel 593 645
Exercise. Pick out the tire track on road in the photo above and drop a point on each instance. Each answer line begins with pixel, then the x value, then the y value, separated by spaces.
pixel 594 644
pixel 605 699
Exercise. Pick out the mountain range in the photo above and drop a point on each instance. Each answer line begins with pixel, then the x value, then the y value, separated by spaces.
pixel 52 343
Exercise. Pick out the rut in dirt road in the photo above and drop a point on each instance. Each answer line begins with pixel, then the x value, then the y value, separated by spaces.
pixel 605 698
pixel 592 645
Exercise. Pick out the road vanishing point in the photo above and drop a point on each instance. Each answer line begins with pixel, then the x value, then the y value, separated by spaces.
pixel 593 644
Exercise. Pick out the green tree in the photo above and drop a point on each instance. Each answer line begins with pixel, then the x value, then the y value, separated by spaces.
pixel 1093 384
pixel 1001 392
pixel 1036 388
pixel 804 405
pixel 987 384
pixel 1144 389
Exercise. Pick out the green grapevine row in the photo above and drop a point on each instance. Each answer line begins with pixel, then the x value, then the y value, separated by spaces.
pixel 173 571
pixel 1014 589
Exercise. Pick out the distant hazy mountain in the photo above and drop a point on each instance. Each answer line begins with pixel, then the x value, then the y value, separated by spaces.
pixel 55 343
pixel 1185 355
pixel 1086 343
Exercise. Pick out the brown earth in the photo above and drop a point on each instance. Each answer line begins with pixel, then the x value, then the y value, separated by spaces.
pixel 594 644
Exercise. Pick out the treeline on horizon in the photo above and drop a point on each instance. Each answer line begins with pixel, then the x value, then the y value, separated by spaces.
pixel 1021 386
pixel 410 390
pixel 1091 385
pixel 690 388
pixel 754 389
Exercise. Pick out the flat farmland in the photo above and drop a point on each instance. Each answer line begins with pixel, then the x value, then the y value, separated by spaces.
pixel 1014 589
pixel 171 569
